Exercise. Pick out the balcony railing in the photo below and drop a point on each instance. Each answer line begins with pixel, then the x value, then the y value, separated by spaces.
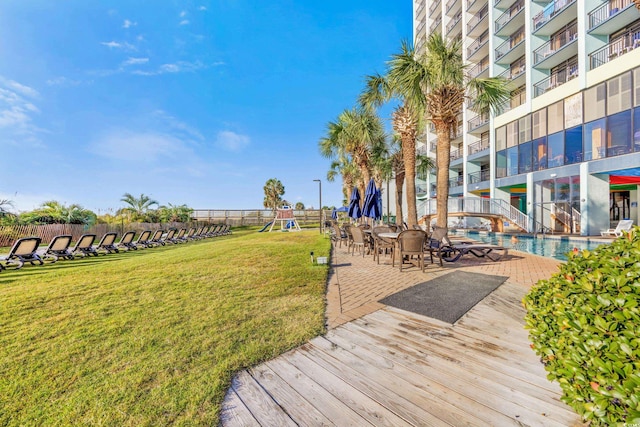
pixel 605 11
pixel 456 182
pixel 513 72
pixel 480 41
pixel 478 146
pixel 556 43
pixel 456 154
pixel 477 121
pixel 450 4
pixel 549 12
pixel 480 67
pixel 556 79
pixel 621 45
pixel 433 7
pixel 470 3
pixel 508 15
pixel 436 24
pixel 477 18
pixel 451 25
pixel 480 176
pixel 509 45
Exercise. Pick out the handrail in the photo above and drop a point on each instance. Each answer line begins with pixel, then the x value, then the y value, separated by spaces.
pixel 605 11
pixel 479 206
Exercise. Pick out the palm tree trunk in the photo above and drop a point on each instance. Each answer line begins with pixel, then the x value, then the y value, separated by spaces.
pixel 409 155
pixel 399 179
pixel 443 160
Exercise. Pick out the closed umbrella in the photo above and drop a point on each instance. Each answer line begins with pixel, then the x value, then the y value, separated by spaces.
pixel 371 207
pixel 354 204
pixel 334 213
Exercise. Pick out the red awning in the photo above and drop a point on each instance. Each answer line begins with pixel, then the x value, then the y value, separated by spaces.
pixel 617 179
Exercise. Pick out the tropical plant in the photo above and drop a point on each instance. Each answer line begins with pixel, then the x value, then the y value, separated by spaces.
pixel 440 74
pixel 5 204
pixel 175 213
pixel 273 192
pixel 637 4
pixel 584 323
pixel 54 212
pixel 344 167
pixel 138 207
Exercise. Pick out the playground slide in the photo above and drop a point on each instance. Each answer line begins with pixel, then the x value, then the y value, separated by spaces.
pixel 265 227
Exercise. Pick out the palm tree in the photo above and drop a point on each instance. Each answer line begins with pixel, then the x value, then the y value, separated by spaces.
pixel 5 204
pixel 273 192
pixel 175 213
pixel 637 3
pixel 138 207
pixel 440 74
pixel 54 212
pixel 349 173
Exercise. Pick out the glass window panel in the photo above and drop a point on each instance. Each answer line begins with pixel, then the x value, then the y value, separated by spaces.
pixel 636 130
pixel 573 145
pixel 573 111
pixel 595 100
pixel 539 123
pixel 501 138
pixel 512 134
pixel 555 147
pixel 524 157
pixel 619 134
pixel 619 94
pixel 524 129
pixel 593 137
pixel 636 85
pixel 501 164
pixel 555 117
pixel 512 161
pixel 540 154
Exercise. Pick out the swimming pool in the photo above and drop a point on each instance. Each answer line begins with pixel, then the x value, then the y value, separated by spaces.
pixel 547 247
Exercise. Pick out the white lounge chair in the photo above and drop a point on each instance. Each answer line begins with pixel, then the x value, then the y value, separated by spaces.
pixel 623 225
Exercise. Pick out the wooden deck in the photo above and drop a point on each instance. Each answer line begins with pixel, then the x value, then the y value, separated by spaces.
pixel 395 368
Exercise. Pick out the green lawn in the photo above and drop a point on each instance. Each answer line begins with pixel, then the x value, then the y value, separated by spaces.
pixel 153 337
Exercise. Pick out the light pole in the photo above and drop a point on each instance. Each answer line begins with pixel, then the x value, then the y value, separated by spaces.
pixel 319 181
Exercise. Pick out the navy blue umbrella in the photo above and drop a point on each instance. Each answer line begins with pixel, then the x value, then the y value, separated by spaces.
pixel 354 204
pixel 334 213
pixel 371 207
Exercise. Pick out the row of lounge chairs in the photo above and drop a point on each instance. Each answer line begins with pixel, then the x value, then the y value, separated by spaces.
pixel 27 249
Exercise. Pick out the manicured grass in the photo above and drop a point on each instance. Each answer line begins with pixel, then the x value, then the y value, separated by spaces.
pixel 153 337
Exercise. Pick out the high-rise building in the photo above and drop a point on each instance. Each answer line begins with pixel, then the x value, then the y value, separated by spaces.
pixel 565 149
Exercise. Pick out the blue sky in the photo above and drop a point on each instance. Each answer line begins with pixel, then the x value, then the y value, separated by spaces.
pixel 195 102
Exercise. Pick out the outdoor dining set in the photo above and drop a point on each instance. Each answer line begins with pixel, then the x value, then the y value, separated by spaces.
pixel 406 245
pixel 28 250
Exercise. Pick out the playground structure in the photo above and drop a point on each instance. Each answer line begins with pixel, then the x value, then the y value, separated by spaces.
pixel 286 218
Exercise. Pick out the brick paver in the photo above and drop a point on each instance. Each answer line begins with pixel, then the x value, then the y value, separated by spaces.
pixel 356 284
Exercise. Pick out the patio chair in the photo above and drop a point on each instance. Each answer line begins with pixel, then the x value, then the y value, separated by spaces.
pixel 156 239
pixel 411 244
pixel 339 235
pixel 623 225
pixel 168 238
pixel 358 240
pixel 381 244
pixel 190 235
pixel 58 248
pixel 127 241
pixel 179 236
pixel 450 251
pixel 23 250
pixel 84 246
pixel 143 240
pixel 108 244
pixel 435 241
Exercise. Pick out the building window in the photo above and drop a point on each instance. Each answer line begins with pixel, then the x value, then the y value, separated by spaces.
pixel 573 111
pixel 619 134
pixel 512 161
pixel 524 158
pixel 555 117
pixel 539 123
pixel 595 100
pixel 636 130
pixel 636 86
pixel 512 134
pixel 524 129
pixel 501 138
pixel 501 164
pixel 555 146
pixel 573 145
pixel 540 154
pixel 619 94
pixel 593 137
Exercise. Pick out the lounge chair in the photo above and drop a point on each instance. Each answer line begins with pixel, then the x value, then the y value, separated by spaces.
pixel 179 236
pixel 453 251
pixel 84 245
pixel 623 225
pixel 168 237
pixel 411 243
pixel 156 239
pixel 23 250
pixel 190 235
pixel 108 244
pixel 127 241
pixel 58 248
pixel 143 240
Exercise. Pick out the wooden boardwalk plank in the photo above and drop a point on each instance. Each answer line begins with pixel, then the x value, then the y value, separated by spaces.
pixel 261 405
pixel 234 412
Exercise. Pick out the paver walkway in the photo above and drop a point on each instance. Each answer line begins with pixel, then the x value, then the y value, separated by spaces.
pixel 382 366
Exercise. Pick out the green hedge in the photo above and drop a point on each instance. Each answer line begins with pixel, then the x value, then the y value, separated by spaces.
pixel 584 323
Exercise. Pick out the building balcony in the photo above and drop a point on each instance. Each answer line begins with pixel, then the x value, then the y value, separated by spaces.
pixel 480 176
pixel 479 48
pixel 517 75
pixel 435 26
pixel 435 6
pixel 474 5
pixel 618 47
pixel 478 124
pixel 478 146
pixel 454 23
pixel 611 16
pixel 554 16
pixel 453 7
pixel 481 69
pixel 557 50
pixel 511 49
pixel 456 154
pixel 479 22
pixel 456 182
pixel 511 20
pixel 556 79
pixel 503 4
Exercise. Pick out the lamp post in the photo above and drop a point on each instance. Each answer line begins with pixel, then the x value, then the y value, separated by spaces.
pixel 320 207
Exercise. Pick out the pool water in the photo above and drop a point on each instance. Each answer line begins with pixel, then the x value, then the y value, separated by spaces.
pixel 547 247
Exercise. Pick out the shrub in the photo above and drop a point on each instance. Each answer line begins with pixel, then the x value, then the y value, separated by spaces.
pixel 584 323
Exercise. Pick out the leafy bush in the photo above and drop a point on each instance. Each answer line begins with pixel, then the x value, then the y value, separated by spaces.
pixel 584 323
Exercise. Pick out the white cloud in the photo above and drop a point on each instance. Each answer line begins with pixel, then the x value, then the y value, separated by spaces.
pixel 176 67
pixel 232 141
pixel 135 61
pixel 145 147
pixel 128 24
pixel 17 112
pixel 119 45
pixel 183 14
pixel 202 8
pixel 63 81
pixel 184 22
pixel 177 127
